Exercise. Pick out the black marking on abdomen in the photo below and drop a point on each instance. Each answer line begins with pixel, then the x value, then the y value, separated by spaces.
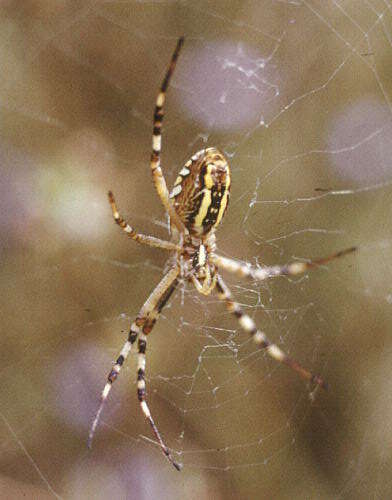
pixel 217 194
pixel 199 199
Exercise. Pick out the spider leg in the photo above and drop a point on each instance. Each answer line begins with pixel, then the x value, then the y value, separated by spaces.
pixel 140 238
pixel 155 162
pixel 209 281
pixel 146 327
pixel 265 272
pixel 144 322
pixel 113 374
pixel 247 324
pixel 141 392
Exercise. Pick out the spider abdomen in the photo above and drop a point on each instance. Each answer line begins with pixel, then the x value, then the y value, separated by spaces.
pixel 202 190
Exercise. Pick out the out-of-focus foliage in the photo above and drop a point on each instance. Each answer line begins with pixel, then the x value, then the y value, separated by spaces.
pixel 298 95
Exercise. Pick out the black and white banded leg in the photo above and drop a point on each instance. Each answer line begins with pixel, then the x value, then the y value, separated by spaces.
pixel 155 161
pixel 134 235
pixel 249 326
pixel 146 328
pixel 141 394
pixel 124 353
pixel 264 272
pixel 148 315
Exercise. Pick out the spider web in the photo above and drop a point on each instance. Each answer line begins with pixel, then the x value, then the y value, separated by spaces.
pixel 297 94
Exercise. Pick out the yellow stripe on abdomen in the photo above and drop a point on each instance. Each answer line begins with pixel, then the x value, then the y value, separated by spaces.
pixel 206 201
pixel 202 213
pixel 224 201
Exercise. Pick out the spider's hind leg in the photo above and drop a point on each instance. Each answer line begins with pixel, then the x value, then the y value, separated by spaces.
pixel 247 324
pixel 155 161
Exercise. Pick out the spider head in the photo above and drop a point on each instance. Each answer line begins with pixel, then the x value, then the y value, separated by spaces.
pixel 203 273
pixel 201 191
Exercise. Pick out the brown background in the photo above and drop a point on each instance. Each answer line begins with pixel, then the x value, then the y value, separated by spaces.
pixel 78 85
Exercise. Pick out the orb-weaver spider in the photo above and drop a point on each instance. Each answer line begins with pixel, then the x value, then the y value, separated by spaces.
pixel 196 206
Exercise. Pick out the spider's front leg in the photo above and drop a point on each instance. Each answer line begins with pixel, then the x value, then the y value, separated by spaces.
pixel 146 328
pixel 247 324
pixel 143 325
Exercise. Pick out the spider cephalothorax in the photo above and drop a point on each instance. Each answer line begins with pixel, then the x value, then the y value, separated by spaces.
pixel 196 206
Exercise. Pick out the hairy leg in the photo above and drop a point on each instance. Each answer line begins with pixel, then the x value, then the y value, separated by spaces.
pixel 247 324
pixel 155 162
pixel 140 238
pixel 265 272
pixel 147 314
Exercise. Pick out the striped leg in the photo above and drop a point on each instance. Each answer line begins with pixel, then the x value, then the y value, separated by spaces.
pixel 147 314
pixel 263 273
pixel 247 324
pixel 132 336
pixel 140 238
pixel 155 163
pixel 141 370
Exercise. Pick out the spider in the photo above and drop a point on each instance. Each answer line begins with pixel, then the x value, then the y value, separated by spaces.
pixel 195 206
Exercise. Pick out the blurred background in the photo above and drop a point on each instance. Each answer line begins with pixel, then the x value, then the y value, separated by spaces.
pixel 297 94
